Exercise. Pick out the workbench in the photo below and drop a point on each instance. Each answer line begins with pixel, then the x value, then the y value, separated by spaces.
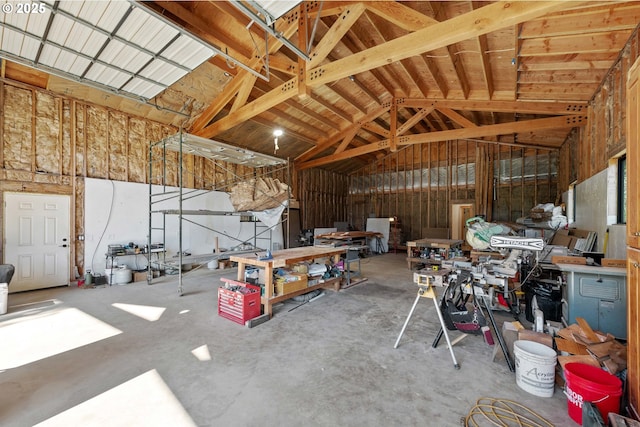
pixel 429 243
pixel 360 240
pixel 284 258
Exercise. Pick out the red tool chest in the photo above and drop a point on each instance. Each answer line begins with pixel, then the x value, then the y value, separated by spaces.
pixel 241 302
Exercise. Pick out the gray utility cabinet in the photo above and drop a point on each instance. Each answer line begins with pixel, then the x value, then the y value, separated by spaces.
pixel 598 295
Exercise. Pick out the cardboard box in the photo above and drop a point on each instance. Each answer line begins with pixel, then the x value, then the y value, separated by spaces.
pixel 576 260
pixel 140 276
pixel 288 286
pixel 569 237
pixel 610 262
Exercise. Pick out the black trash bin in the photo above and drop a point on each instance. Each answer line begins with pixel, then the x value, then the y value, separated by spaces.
pixel 548 298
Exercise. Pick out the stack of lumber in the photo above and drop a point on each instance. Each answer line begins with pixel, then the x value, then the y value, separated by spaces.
pixel 258 194
pixel 585 345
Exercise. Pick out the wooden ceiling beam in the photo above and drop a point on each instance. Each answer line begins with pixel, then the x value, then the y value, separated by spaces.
pixel 561 62
pixel 457 118
pixel 376 129
pixel 472 24
pixel 331 107
pixel 607 42
pixel 403 16
pixel 231 89
pixel 411 20
pixel 452 51
pixel 243 92
pixel 278 95
pixel 335 34
pixel 348 138
pixel 356 103
pixel 437 75
pixel 620 17
pixel 532 107
pixel 331 140
pixel 447 135
pixel 483 45
pixel 414 120
pixel 281 62
pixel 202 28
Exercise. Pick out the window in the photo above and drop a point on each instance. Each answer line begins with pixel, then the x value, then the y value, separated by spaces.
pixel 622 190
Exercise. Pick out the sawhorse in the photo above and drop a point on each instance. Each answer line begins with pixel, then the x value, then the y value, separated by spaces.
pixel 426 290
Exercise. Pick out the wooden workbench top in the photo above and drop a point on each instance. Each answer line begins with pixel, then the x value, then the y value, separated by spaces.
pixel 436 243
pixel 346 235
pixel 286 257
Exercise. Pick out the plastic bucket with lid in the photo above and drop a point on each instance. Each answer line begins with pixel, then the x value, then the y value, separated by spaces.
pixel 586 383
pixel 535 367
pixel 118 276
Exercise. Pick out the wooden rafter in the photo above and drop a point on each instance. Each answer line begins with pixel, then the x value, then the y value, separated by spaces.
pixel 481 21
pixel 417 117
pixel 457 117
pixel 337 31
pixel 564 122
pixel 328 142
pixel 531 107
pixel 231 89
pixel 454 56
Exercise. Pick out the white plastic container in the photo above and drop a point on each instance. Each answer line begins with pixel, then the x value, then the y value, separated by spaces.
pixel 118 276
pixel 4 294
pixel 122 276
pixel 535 367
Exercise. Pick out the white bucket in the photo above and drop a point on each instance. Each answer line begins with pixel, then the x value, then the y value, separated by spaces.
pixel 213 264
pixel 4 293
pixel 122 276
pixel 535 367
pixel 118 276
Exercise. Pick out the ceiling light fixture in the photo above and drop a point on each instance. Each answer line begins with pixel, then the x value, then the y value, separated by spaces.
pixel 276 133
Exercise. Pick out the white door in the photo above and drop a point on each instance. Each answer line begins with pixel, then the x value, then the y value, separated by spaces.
pixel 36 228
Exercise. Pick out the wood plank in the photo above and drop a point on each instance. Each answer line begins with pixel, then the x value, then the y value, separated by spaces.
pixel 584 325
pixel 571 346
pixel 568 45
pixel 620 17
pixel 587 360
pixel 403 16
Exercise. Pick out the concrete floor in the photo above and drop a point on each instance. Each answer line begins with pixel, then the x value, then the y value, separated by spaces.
pixel 142 355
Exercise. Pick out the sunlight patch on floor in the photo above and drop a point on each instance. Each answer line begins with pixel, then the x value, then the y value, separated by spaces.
pixel 146 312
pixel 142 401
pixel 47 333
pixel 202 353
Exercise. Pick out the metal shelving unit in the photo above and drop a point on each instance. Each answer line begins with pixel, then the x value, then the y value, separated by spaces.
pixel 220 155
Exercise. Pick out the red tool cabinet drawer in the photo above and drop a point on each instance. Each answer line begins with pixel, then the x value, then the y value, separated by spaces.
pixel 240 303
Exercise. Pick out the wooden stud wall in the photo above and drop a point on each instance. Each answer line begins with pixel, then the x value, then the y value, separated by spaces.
pixel 604 137
pixel 405 184
pixel 51 143
pixel 323 198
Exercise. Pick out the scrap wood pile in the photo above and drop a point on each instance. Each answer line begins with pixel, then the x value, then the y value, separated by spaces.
pixel 591 347
pixel 258 194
